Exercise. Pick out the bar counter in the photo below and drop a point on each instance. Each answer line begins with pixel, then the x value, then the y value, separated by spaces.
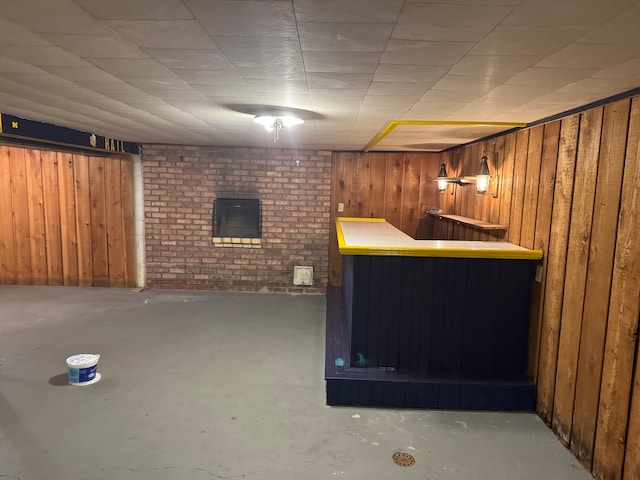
pixel 446 319
pixel 374 236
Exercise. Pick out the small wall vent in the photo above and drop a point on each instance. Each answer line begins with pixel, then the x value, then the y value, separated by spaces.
pixel 303 276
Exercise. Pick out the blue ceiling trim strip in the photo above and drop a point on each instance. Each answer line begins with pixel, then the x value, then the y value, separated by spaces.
pixel 22 128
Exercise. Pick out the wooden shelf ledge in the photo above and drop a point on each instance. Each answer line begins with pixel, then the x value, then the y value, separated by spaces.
pixel 472 222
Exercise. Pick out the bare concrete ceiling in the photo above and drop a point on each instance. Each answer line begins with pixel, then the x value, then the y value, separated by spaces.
pixel 193 71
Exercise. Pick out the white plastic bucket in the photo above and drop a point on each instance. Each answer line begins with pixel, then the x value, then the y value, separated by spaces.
pixel 83 368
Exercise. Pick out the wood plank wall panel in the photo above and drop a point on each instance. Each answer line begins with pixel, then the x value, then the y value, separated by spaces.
pixel 469 203
pixel 531 186
pixel 377 201
pixel 549 161
pixel 632 454
pixel 20 211
pixel 361 177
pixel 8 266
pixel 505 186
pixel 518 187
pixel 53 231
pixel 342 168
pixel 395 186
pixel 484 202
pixel 83 219
pixel 584 189
pixel 474 201
pixel 494 206
pixel 114 232
pixel 393 189
pixel 487 202
pixel 49 201
pixel 621 344
pixel 68 232
pixel 37 242
pixel 426 197
pixel 631 467
pixel 598 282
pixel 411 194
pixel 556 263
pixel 334 270
pixel 460 198
pixel 98 213
pixel 126 190
pixel 572 188
pixel 455 170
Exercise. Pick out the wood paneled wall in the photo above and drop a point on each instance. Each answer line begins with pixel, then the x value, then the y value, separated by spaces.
pixel 572 188
pixel 65 219
pixel 396 186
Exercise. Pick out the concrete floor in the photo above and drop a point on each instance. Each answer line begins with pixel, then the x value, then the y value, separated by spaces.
pixel 201 385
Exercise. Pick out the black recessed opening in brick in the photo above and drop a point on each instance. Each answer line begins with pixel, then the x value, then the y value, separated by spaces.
pixel 237 217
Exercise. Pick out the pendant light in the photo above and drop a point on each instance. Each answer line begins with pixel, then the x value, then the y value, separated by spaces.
pixel 483 177
pixel 443 178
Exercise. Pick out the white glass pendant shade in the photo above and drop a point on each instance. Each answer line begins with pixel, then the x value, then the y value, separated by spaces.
pixel 483 177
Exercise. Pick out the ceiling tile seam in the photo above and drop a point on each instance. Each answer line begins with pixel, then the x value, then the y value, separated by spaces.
pixel 103 20
pixel 173 75
pixel 90 62
pixel 450 67
pixel 304 67
pixel 59 109
pixel 218 47
pixel 386 46
pixel 346 23
pixel 497 24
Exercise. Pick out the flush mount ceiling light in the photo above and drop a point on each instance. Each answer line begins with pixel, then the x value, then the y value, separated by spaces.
pixel 276 123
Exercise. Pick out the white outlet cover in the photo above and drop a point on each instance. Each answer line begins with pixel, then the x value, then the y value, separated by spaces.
pixel 539 274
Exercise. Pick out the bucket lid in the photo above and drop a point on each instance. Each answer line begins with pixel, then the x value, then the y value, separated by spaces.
pixel 83 360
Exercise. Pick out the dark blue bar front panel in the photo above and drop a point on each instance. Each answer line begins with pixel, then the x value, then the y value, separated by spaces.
pixel 463 317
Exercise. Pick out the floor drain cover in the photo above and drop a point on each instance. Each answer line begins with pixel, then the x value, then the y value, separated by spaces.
pixel 403 459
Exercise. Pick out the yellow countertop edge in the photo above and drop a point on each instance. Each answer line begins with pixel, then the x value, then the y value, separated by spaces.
pixel 341 244
pixel 441 252
pixel 361 219
pixel 427 251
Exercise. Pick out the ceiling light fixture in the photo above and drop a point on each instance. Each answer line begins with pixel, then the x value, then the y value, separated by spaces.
pixel 274 123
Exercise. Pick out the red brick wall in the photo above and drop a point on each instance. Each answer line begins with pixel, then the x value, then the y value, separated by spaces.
pixel 181 183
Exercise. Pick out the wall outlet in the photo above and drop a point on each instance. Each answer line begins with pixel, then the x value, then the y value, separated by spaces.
pixel 341 207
